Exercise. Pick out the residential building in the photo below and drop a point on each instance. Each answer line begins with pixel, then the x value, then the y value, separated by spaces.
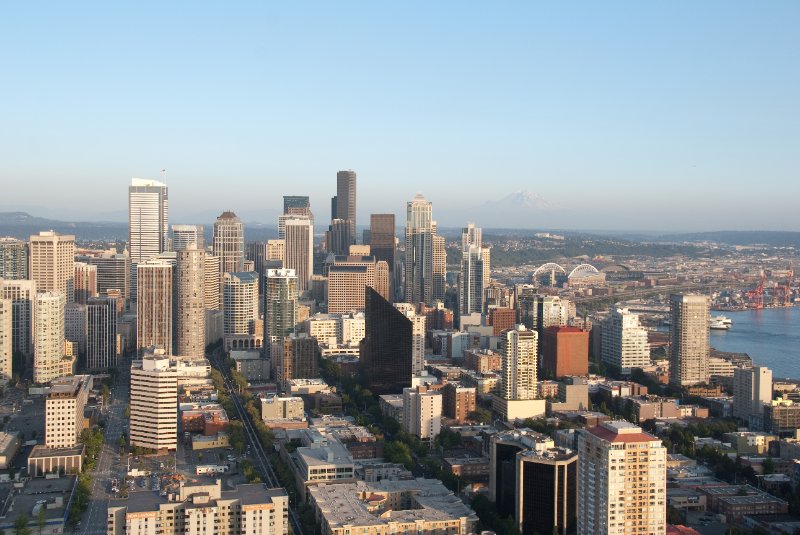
pixel 282 408
pixel 458 401
pixel 240 311
pixel 154 403
pixel 387 348
pixel 475 270
pixel 228 243
pixel 503 450
pixel 519 349
pixel 63 412
pixel 419 251
pixel 623 343
pixel 13 259
pixel 276 251
pixel 546 491
pixel 22 294
pixel 154 304
pixel 212 282
pixel 688 349
pixel 52 263
pixel 395 506
pixel 49 360
pixel 422 412
pixel 245 510
pixel 622 481
pixel 189 306
pixel 752 389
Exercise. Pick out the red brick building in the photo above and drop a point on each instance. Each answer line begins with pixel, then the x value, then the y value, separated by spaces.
pixel 458 401
pixel 565 351
pixel 502 319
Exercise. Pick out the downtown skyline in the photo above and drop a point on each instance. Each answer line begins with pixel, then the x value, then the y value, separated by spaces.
pixel 671 117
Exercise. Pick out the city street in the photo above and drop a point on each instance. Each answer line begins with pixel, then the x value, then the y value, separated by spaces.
pixel 108 464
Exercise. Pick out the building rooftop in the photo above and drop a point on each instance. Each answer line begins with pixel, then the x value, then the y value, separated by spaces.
pixel 67 387
pixel 621 431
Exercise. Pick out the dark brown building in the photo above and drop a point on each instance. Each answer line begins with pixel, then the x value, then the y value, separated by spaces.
pixel 381 239
pixel 502 319
pixel 565 351
pixel 458 401
pixel 386 349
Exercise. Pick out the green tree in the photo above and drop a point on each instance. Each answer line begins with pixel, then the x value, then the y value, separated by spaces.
pixel 21 525
pixel 481 416
pixel 41 519
pixel 398 452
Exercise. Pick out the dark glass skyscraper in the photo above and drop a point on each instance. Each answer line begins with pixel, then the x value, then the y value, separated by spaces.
pixel 382 238
pixel 387 346
pixel 345 206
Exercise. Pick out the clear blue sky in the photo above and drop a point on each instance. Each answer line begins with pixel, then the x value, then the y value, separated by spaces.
pixel 626 115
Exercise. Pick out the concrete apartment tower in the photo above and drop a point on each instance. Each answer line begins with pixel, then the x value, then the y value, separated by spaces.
pixel 101 337
pixel 85 282
pixel 213 282
pixel 49 361
pixel 519 349
pixel 622 481
pixel 752 389
pixel 240 311
pixel 190 313
pixel 52 263
pixel 422 412
pixel 228 242
pixel 474 270
pixel 154 403
pixel 688 339
pixel 154 304
pixel 64 406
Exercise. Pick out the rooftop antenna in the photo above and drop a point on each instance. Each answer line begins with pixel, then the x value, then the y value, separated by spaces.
pixel 163 174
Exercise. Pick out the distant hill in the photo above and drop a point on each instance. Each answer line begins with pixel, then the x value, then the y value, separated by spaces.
pixel 738 237
pixel 22 225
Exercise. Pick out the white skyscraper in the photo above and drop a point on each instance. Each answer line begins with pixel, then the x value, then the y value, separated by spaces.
pixel 154 403
pixel 22 294
pixel 148 216
pixel 187 237
pixel 752 389
pixel 623 343
pixel 52 263
pixel 474 270
pixel 229 242
pixel 6 338
pixel 190 312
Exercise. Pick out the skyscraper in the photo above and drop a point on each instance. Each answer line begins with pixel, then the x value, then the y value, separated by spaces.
pixel 382 239
pixel 297 205
pixel 439 268
pixel 148 218
pixel 190 315
pixel 212 283
pixel 240 310
pixel 154 304
pixel 547 492
pixel 13 259
pixel 229 242
pixel 6 338
pixel 387 347
pixel 300 249
pixel 346 200
pixel 623 343
pixel 188 237
pixel 113 272
pixel 154 403
pixel 52 263
pixel 519 349
pixel 688 337
pixel 419 251
pixel 622 481
pixel 85 282
pixel 339 237
pixel 49 361
pixel 417 336
pixel 22 294
pixel 101 329
pixel 299 359
pixel 280 305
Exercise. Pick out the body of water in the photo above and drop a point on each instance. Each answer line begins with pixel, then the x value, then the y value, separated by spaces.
pixel 771 337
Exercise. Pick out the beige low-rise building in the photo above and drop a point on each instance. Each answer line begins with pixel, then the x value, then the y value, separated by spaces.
pixel 389 507
pixel 282 408
pixel 200 509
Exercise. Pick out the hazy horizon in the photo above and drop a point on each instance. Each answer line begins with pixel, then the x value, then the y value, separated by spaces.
pixel 678 116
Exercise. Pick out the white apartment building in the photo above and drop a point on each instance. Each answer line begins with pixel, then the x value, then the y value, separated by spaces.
pixel 623 343
pixel 622 481
pixel 52 263
pixel 22 294
pixel 422 412
pixel 688 337
pixel 6 338
pixel 752 389
pixel 154 403
pixel 63 413
pixel 418 337
pixel 519 349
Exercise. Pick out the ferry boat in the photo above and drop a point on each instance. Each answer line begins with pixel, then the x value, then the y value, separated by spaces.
pixel 725 320
pixel 718 325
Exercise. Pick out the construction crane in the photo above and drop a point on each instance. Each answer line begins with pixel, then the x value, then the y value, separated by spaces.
pixel 756 296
